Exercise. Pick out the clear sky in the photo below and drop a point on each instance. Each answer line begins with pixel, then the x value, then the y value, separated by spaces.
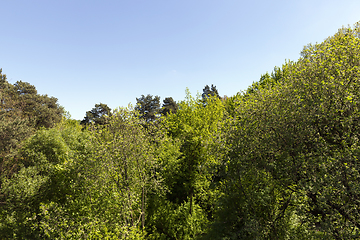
pixel 113 51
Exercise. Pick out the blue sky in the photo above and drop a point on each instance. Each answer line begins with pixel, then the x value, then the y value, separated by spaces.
pixel 87 52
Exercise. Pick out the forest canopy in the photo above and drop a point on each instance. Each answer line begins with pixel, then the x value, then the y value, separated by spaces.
pixel 280 160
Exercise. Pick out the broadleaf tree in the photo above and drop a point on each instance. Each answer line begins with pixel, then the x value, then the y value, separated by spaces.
pixel 198 129
pixel 300 136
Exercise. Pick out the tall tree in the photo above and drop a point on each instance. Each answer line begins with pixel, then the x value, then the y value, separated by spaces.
pixel 49 176
pixel 97 115
pixel 295 150
pixel 267 80
pixel 197 128
pixel 42 110
pixel 169 106
pixel 22 112
pixel 13 128
pixel 148 107
pixel 208 92
pixel 22 99
pixel 123 173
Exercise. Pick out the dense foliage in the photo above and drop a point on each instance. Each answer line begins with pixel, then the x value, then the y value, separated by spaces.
pixel 280 160
pixel 97 115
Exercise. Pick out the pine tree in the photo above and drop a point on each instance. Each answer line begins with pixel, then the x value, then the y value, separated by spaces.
pixel 207 92
pixel 148 107
pixel 97 115
pixel 169 106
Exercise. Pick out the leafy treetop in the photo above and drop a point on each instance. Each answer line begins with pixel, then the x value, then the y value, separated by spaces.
pixel 148 107
pixel 97 115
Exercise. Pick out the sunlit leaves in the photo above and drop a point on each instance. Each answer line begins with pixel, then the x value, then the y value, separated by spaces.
pixel 304 132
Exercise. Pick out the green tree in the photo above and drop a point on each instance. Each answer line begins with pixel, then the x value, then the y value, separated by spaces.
pixel 22 111
pixel 49 173
pixel 169 106
pixel 267 80
pixel 122 173
pixel 198 130
pixel 97 115
pixel 299 140
pixel 13 127
pixel 210 92
pixel 186 209
pixel 331 101
pixel 41 110
pixel 148 107
pixel 22 100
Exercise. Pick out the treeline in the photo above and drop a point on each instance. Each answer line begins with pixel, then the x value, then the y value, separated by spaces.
pixel 280 160
pixel 149 107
